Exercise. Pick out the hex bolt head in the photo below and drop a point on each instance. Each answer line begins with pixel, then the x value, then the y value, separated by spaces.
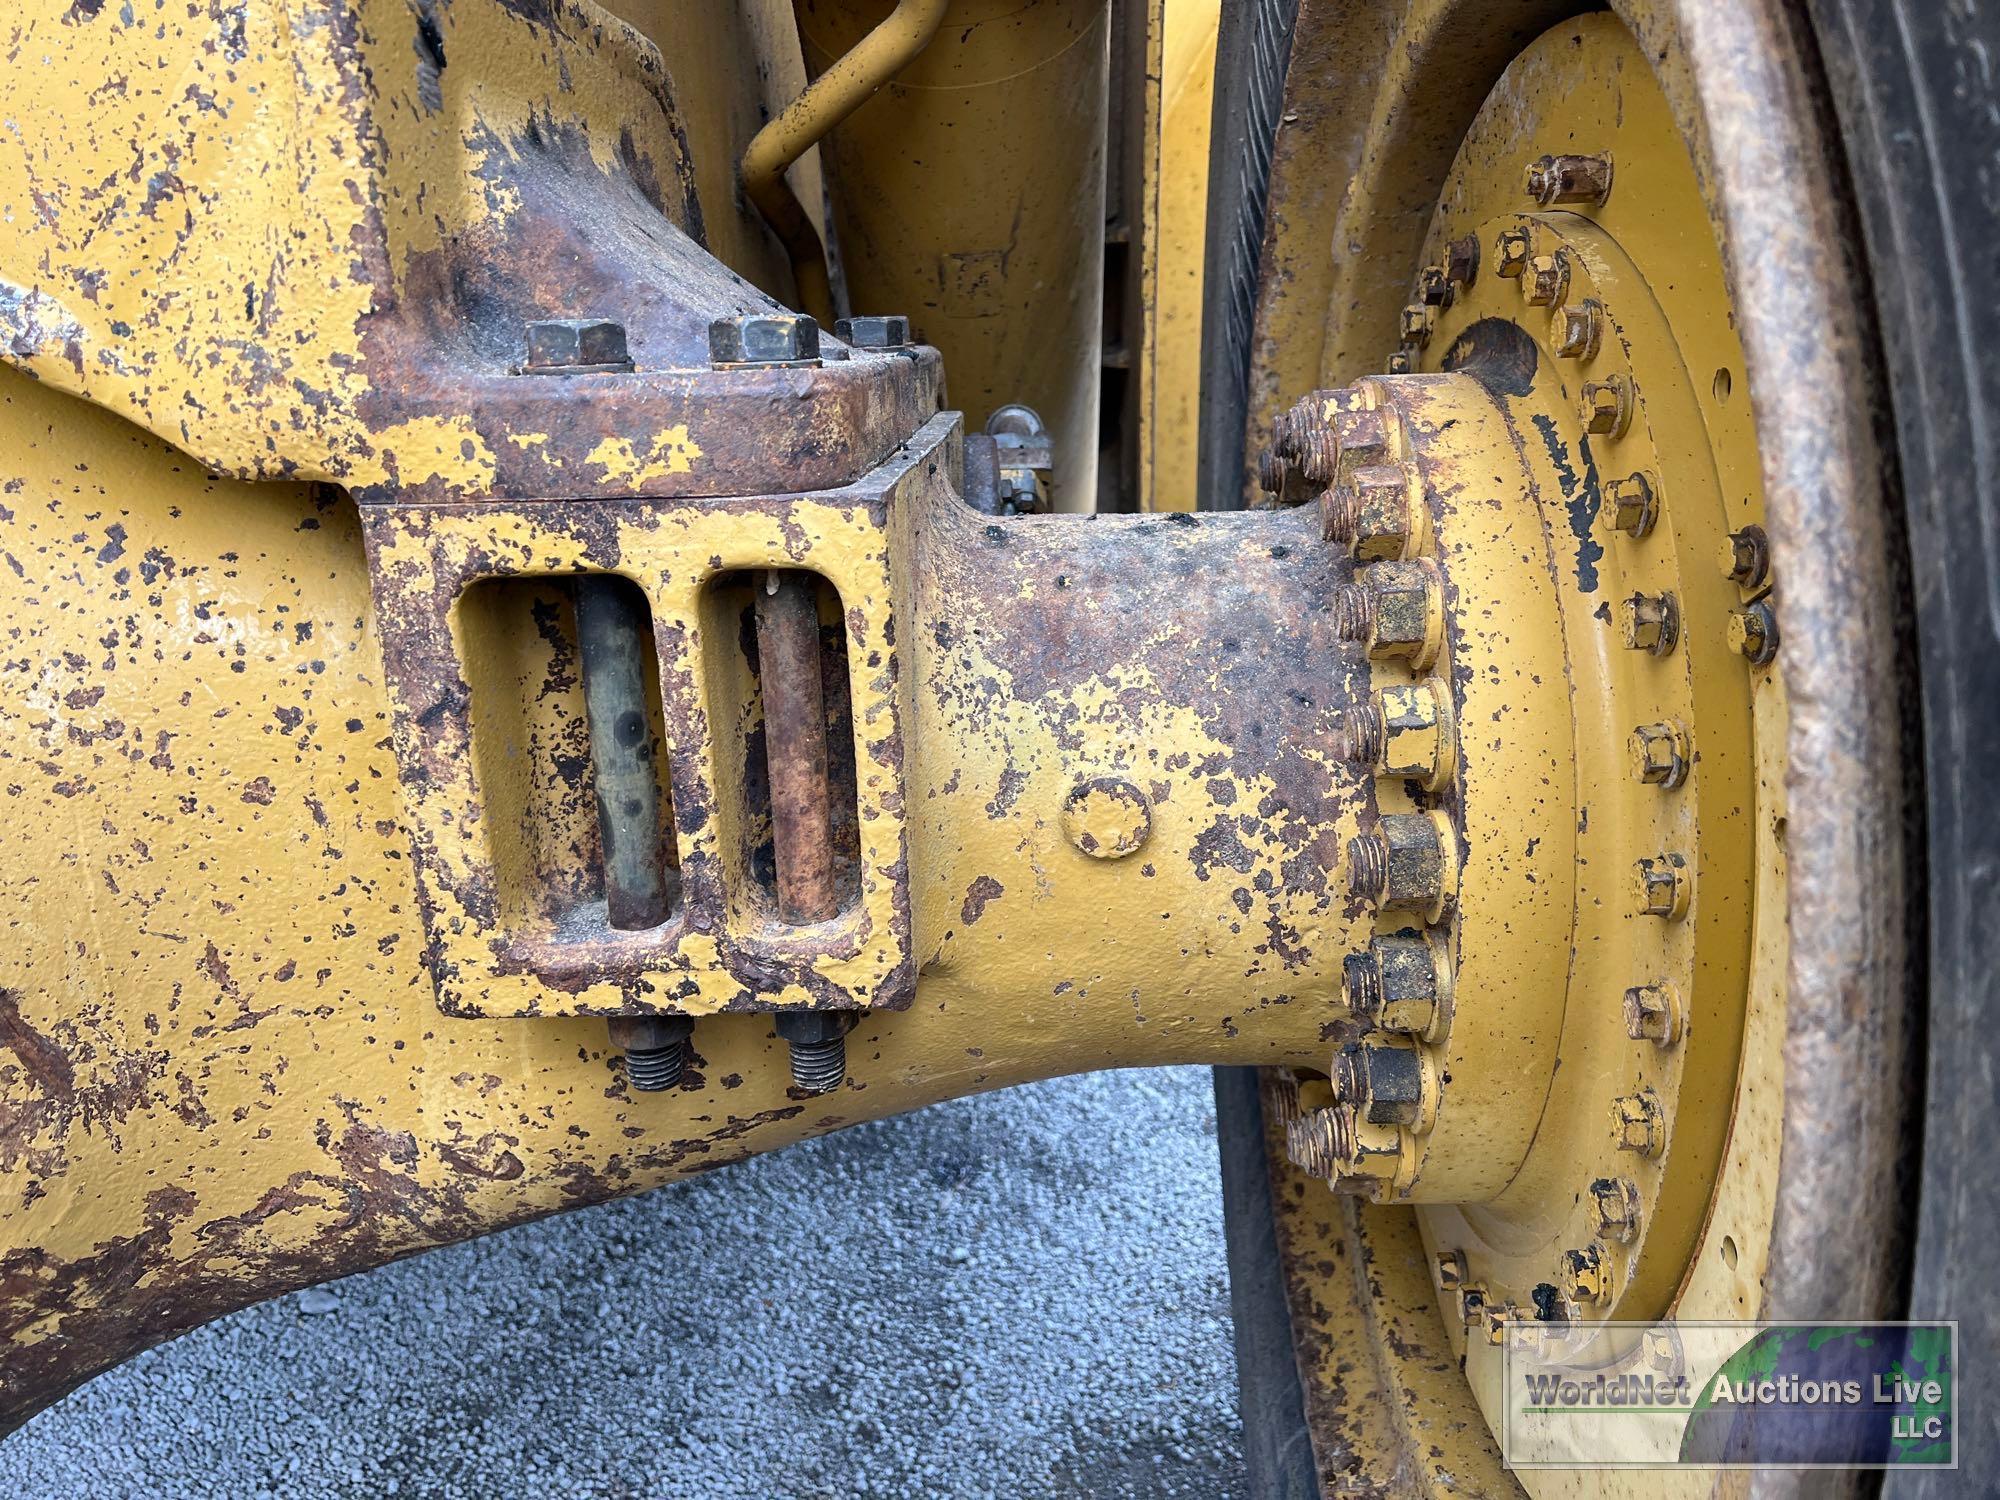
pixel 1746 557
pixel 1416 322
pixel 1637 1124
pixel 1382 511
pixel 1650 622
pixel 1366 1154
pixel 1547 280
pixel 1511 250
pixel 1634 502
pixel 1461 260
pixel 1401 984
pixel 1753 632
pixel 1396 610
pixel 878 332
pixel 1615 1202
pixel 575 346
pixel 1575 332
pixel 1449 1268
pixel 1386 1083
pixel 1663 886
pixel 1660 755
pixel 1434 286
pixel 1653 1014
pixel 1405 863
pixel 749 339
pixel 1406 734
pixel 1605 406
pixel 1400 362
pixel 1585 1277
pixel 1569 179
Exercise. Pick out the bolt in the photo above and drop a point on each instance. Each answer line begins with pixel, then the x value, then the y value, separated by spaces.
pixel 1366 1154
pixel 1636 1123
pixel 1385 1083
pixel 763 339
pixel 1493 1318
pixel 1461 260
pixel 1511 251
pixel 1402 983
pixel 1652 622
pixel 1381 511
pixel 1576 331
pixel 1271 472
pixel 1450 1270
pixel 1405 732
pixel 1309 1142
pixel 1107 817
pixel 1663 886
pixel 1635 504
pixel 874 332
pixel 1397 610
pixel 1660 755
pixel 1585 1277
pixel 575 346
pixel 1746 557
pixel 1569 179
pixel 1753 632
pixel 1606 406
pixel 1416 323
pixel 1400 362
pixel 1404 862
pixel 655 1049
pixel 818 1043
pixel 1547 281
pixel 1018 492
pixel 1434 287
pixel 1616 1203
pixel 1653 1013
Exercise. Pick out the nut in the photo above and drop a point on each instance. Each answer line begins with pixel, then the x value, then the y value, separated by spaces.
pixel 1511 250
pixel 1404 862
pixel 1636 1123
pixel 1585 1277
pixel 1663 886
pixel 1615 1201
pixel 1386 504
pixel 1653 1013
pixel 1753 632
pixel 1397 610
pixel 1365 439
pixel 1547 280
pixel 1652 622
pixel 1746 558
pixel 1634 502
pixel 1366 1155
pixel 1402 984
pixel 763 339
pixel 1660 754
pixel 1450 1270
pixel 1569 179
pixel 1461 259
pixel 1406 732
pixel 1400 362
pixel 875 332
pixel 1416 323
pixel 1388 1083
pixel 1434 287
pixel 575 346
pixel 1606 406
pixel 1576 331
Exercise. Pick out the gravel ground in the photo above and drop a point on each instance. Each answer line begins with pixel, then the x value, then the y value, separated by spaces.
pixel 1018 1295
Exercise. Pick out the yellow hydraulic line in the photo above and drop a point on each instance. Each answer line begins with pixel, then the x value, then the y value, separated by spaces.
pixel 832 97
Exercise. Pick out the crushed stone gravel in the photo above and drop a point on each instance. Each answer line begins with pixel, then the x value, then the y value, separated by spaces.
pixel 1019 1295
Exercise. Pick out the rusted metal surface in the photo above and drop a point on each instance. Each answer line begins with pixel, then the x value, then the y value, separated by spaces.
pixel 611 627
pixel 795 745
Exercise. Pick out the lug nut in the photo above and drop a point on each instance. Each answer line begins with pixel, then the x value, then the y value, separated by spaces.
pixel 1634 502
pixel 655 1049
pixel 1606 406
pixel 1584 1276
pixel 818 1043
pixel 1575 331
pixel 1511 251
pixel 1753 632
pixel 1653 1014
pixel 1636 1124
pixel 1746 558
pixel 1663 886
pixel 1652 622
pixel 874 332
pixel 1404 862
pixel 1461 260
pixel 751 339
pixel 1547 280
pixel 1660 755
pixel 1615 1201
pixel 1396 611
pixel 575 346
pixel 1569 179
pixel 1401 984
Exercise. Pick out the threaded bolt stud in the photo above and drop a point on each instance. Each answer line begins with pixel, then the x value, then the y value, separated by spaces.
pixel 1362 733
pixel 655 1049
pixel 1353 612
pixel 1368 865
pixel 818 1043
